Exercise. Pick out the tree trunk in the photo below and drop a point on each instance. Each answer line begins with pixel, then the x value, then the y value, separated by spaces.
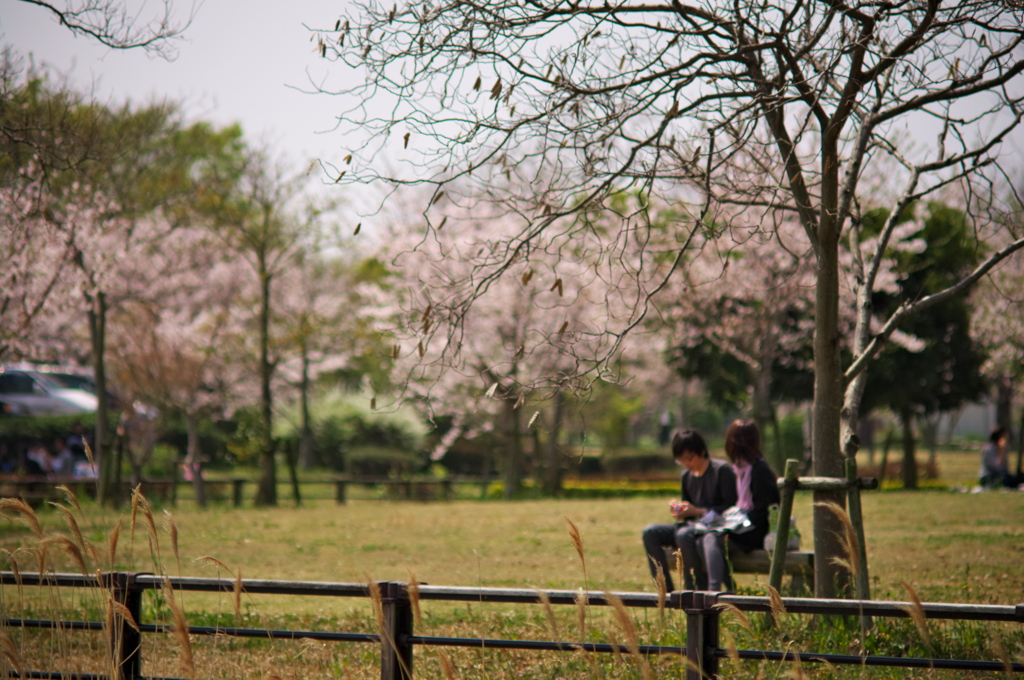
pixel 306 453
pixel 884 463
pixel 952 418
pixel 1020 446
pixel 513 451
pixel 266 493
pixel 119 451
pixel 764 415
pixel 909 460
pixel 291 456
pixel 553 454
pixel 134 462
pixel 778 460
pixel 192 458
pixel 931 438
pixel 684 416
pixel 1004 403
pixel 98 336
pixel 827 457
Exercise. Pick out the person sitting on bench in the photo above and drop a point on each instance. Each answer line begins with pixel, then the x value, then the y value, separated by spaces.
pixel 757 488
pixel 708 486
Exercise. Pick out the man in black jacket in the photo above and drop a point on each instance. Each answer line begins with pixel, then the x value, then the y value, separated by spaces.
pixel 708 489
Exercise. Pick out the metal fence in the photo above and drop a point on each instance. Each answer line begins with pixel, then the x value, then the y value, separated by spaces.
pixel 397 639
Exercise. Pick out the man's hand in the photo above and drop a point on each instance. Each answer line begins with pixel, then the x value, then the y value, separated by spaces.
pixel 684 510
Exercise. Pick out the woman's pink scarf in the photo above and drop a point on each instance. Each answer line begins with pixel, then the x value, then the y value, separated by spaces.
pixel 744 498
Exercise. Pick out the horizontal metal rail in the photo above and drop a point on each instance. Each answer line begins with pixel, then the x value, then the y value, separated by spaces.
pixel 703 611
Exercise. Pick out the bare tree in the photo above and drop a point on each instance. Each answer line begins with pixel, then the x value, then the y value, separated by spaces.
pixel 743 109
pixel 119 26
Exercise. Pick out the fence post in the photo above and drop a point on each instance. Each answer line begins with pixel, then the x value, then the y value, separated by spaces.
pixel 236 492
pixel 701 635
pixel 339 491
pixel 395 652
pixel 125 640
pixel 782 530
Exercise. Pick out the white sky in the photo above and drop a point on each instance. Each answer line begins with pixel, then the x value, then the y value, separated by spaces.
pixel 238 62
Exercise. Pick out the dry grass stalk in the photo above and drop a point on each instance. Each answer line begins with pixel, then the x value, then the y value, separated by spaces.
pixel 1000 650
pixel 847 538
pixel 916 612
pixel 414 598
pixel 23 511
pixel 378 607
pixel 124 613
pixel 72 523
pixel 172 531
pixel 613 640
pixel 185 660
pixel 662 585
pixel 41 552
pixel 236 590
pixel 238 595
pixel 72 499
pixel 577 542
pixel 629 630
pixel 677 555
pixel 798 666
pixel 154 538
pixel 137 500
pixel 729 644
pixel 549 611
pixel 595 671
pixel 215 562
pixel 378 603
pixel 581 612
pixel 446 665
pixel 12 561
pixel 115 536
pixel 694 665
pixel 69 547
pixel 775 601
pixel 11 654
pixel 738 613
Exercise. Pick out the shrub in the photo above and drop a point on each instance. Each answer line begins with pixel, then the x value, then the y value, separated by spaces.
pixel 345 429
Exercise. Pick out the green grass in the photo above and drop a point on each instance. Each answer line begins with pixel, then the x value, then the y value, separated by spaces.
pixel 947 546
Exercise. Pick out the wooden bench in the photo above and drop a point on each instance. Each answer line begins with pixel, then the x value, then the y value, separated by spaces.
pixel 799 565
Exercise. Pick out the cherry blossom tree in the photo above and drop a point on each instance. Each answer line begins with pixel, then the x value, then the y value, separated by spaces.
pixel 525 339
pixel 36 258
pixel 996 325
pixel 129 178
pixel 575 102
pixel 315 314
pixel 748 294
pixel 168 350
pixel 250 212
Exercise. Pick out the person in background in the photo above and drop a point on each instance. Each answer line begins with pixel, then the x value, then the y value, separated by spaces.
pixel 77 441
pixel 995 468
pixel 63 460
pixel 38 461
pixel 757 487
pixel 708 487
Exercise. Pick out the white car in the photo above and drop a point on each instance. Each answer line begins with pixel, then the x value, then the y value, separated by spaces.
pixel 34 393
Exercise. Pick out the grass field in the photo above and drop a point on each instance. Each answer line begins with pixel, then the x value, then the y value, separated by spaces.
pixel 947 546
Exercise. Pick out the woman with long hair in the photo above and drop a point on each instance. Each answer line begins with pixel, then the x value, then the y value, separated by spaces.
pixel 757 486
